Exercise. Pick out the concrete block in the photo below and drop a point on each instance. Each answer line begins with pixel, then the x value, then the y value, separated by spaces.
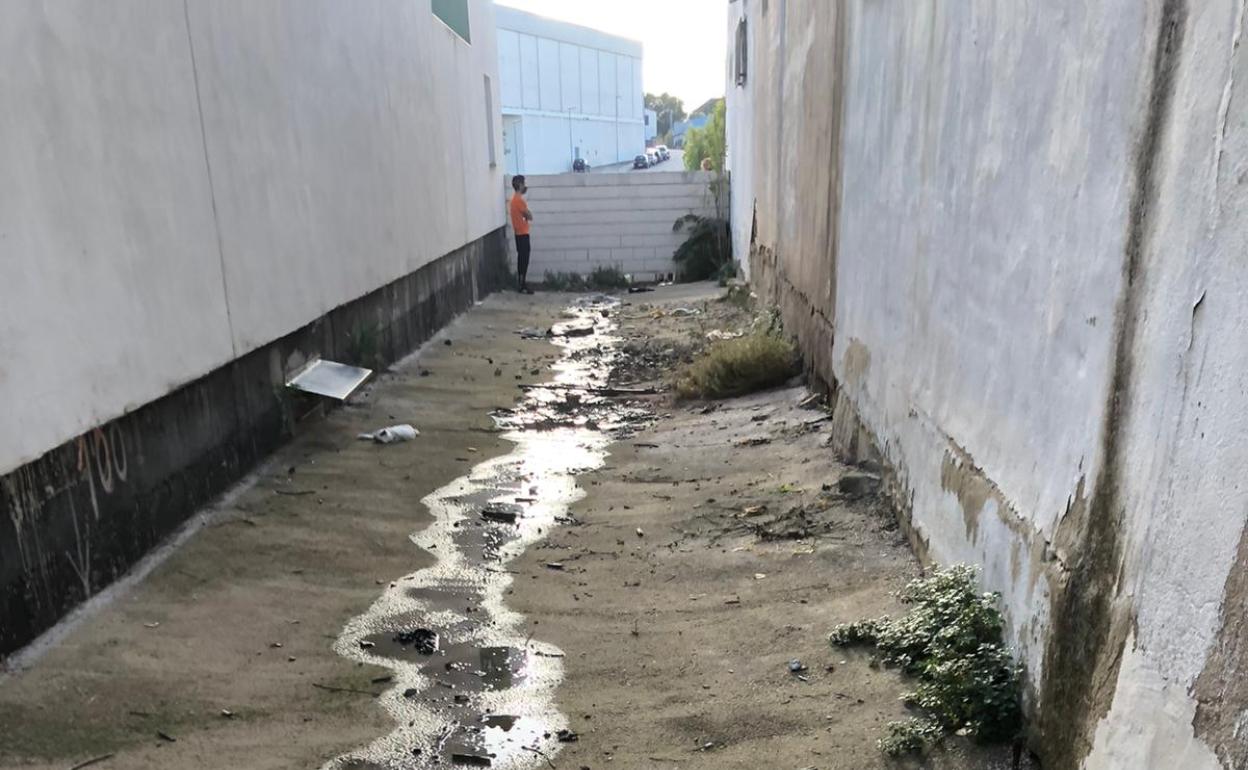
pixel 579 241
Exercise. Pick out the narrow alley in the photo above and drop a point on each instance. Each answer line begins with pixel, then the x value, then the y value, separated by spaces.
pixel 641 617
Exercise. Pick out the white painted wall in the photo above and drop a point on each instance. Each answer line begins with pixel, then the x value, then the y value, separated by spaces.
pixel 346 147
pixel 583 221
pixel 571 87
pixel 973 273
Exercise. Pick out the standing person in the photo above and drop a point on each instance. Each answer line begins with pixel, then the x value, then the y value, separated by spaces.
pixel 520 219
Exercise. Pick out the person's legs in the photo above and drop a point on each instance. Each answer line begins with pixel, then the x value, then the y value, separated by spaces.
pixel 522 261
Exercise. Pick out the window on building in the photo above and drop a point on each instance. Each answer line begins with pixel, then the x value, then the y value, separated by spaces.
pixel 454 13
pixel 489 120
pixel 742 51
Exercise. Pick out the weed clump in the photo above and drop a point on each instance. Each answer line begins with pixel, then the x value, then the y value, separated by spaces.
pixel 738 366
pixel 601 278
pixel 561 281
pixel 608 277
pixel 951 642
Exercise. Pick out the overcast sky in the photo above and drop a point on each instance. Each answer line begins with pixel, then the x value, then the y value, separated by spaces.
pixel 684 40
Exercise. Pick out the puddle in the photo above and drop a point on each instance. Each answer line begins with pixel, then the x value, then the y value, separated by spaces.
pixel 473 686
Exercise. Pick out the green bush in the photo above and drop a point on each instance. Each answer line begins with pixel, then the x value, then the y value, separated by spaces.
pixel 951 642
pixel 738 366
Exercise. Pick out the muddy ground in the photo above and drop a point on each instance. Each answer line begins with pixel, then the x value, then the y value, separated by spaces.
pixel 712 548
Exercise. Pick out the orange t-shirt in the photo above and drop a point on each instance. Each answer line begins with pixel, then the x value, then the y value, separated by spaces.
pixel 518 223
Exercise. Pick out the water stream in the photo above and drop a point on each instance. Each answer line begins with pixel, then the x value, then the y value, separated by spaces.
pixel 473 685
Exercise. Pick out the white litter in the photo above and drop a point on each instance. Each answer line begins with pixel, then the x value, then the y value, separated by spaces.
pixel 719 334
pixel 392 434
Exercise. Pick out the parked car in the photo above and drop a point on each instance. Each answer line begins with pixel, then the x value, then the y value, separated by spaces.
pixel 641 161
pixel 664 153
pixel 653 157
pixel 579 165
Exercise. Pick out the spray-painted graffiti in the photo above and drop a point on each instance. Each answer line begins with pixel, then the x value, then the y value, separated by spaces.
pixel 65 482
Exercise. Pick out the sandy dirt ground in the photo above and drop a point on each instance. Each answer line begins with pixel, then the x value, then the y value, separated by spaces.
pixel 712 549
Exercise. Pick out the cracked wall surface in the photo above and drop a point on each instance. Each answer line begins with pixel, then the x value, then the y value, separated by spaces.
pixel 1023 283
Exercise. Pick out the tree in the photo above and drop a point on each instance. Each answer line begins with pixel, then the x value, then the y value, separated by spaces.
pixel 669 109
pixel 708 141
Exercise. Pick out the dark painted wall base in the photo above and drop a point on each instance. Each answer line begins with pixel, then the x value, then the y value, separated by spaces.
pixel 77 518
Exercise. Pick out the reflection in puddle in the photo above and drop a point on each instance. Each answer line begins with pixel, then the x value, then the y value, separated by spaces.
pixel 483 694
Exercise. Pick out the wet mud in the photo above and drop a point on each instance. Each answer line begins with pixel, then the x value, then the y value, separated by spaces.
pixel 472 683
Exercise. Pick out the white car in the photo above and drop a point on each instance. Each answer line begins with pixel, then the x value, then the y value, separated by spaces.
pixel 652 156
pixel 664 153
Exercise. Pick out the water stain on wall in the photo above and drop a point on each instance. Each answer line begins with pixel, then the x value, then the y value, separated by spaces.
pixel 1222 687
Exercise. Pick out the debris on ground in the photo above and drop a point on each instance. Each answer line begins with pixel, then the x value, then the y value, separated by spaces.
pixel 500 512
pixel 855 485
pixel 796 666
pixel 567 736
pixel 572 330
pixel 529 333
pixel 422 640
pixel 391 434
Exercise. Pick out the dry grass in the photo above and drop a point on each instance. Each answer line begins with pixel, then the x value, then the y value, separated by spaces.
pixel 737 367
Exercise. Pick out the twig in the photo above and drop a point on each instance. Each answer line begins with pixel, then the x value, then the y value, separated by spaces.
pixel 92 761
pixel 344 689
pixel 539 753
pixel 295 492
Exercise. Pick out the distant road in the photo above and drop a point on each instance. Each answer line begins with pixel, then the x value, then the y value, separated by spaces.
pixel 674 163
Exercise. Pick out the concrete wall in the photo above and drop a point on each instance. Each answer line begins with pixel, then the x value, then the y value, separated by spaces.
pixel 1005 235
pixel 571 88
pixel 185 185
pixel 583 221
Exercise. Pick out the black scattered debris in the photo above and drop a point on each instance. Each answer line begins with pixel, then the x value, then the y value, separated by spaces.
pixel 164 736
pixel 422 640
pixel 499 513
pixel 855 485
pixel 410 692
pixel 92 761
pixel 382 679
pixel 567 736
pixel 474 759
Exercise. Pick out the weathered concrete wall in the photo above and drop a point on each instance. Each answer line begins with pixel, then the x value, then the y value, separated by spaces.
pixel 738 133
pixel 186 184
pixel 583 221
pixel 1004 234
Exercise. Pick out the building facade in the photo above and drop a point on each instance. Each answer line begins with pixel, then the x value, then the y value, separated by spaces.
pixel 568 92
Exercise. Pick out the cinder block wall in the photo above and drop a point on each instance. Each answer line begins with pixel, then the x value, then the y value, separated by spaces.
pixel 583 221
